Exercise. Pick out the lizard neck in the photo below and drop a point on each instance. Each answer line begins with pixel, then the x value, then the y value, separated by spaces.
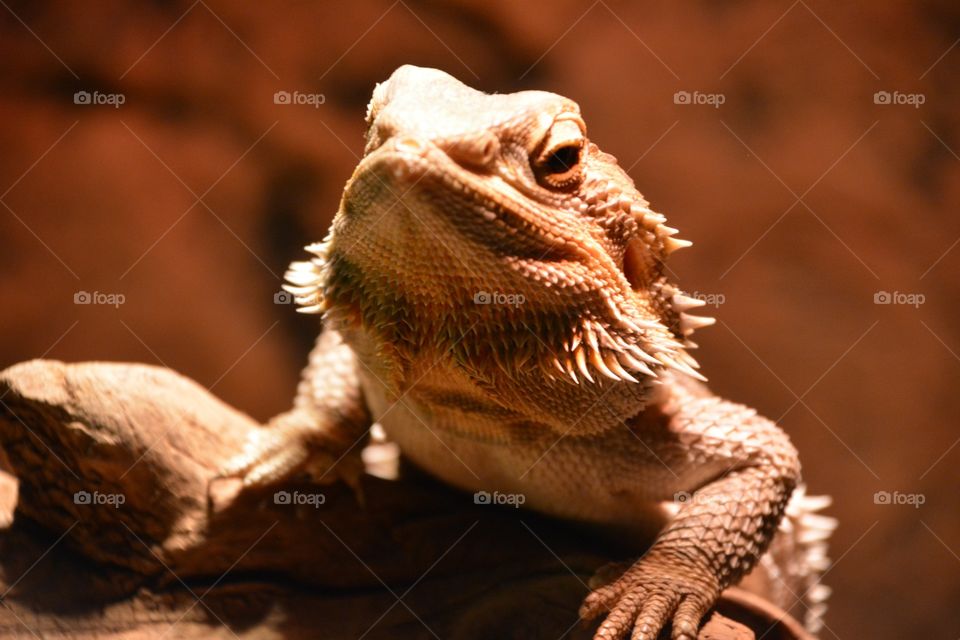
pixel 467 373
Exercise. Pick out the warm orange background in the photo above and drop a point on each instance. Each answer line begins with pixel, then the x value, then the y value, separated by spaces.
pixel 803 196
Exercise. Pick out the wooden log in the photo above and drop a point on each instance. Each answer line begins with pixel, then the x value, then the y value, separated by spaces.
pixel 122 529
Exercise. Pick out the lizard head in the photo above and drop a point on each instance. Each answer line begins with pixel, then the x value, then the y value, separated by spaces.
pixel 491 221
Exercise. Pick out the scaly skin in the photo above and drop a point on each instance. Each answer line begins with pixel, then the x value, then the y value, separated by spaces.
pixel 494 295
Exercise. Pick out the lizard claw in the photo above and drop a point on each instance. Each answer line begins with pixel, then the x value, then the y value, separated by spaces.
pixel 651 594
pixel 282 450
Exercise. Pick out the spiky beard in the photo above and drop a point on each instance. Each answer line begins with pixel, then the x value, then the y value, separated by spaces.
pixel 620 348
pixel 609 334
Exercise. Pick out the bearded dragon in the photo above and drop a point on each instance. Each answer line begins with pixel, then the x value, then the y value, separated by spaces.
pixel 494 294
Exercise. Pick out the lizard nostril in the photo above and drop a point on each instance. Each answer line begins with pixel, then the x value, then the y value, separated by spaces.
pixel 478 151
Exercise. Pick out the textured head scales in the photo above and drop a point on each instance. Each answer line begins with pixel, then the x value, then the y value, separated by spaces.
pixel 491 223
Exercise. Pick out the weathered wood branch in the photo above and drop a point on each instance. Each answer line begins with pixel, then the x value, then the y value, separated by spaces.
pixel 117 469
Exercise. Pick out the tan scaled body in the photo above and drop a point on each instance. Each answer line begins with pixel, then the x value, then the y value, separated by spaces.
pixel 494 295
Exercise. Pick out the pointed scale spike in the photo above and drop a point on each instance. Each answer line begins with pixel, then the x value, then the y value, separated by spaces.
pixel 636 365
pixel 298 291
pixel 640 354
pixel 568 365
pixel 809 536
pixel 317 248
pixel 559 367
pixel 317 308
pixel 639 325
pixel 613 308
pixel 582 364
pixel 819 593
pixel 689 323
pixel 603 337
pixel 685 303
pixel 590 336
pixel 308 300
pixel 816 503
pixel 601 366
pixel 672 244
pixel 679 366
pixel 547 372
pixel 649 219
pixel 688 359
pixel 614 365
pixel 301 278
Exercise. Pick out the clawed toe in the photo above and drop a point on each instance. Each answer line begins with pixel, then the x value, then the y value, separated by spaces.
pixel 621 617
pixel 686 620
pixel 641 609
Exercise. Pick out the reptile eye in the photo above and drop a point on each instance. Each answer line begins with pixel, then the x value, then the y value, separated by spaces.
pixel 557 166
pixel 562 160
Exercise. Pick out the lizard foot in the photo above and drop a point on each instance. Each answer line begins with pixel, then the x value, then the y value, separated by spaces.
pixel 650 594
pixel 285 449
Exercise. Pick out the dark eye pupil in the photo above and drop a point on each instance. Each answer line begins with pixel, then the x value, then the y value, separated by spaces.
pixel 563 159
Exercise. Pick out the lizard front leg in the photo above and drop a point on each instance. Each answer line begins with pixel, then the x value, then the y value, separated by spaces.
pixel 322 435
pixel 739 470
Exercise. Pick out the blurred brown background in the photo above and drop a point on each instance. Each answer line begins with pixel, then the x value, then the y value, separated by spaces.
pixel 807 197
